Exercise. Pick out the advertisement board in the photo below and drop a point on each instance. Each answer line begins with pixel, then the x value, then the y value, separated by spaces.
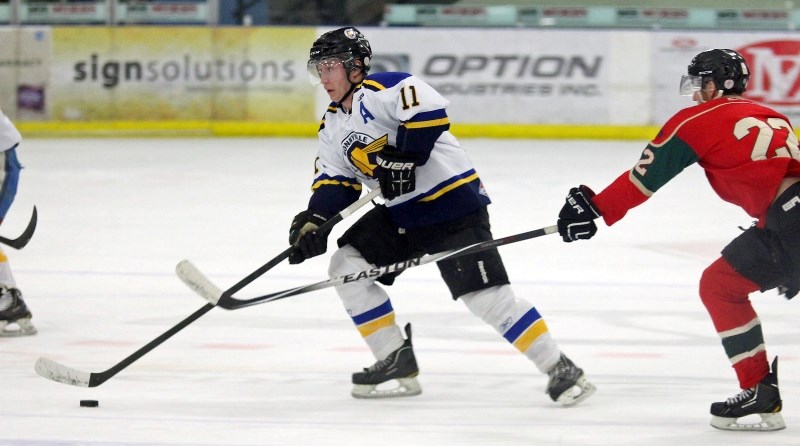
pixel 256 76
pixel 62 12
pixel 25 72
pixel 517 76
pixel 187 73
pixel 774 60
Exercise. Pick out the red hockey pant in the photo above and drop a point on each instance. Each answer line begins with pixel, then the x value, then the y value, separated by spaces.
pixel 725 293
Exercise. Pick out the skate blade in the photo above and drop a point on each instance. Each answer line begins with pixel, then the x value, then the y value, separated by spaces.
pixel 580 391
pixel 405 387
pixel 24 327
pixel 769 422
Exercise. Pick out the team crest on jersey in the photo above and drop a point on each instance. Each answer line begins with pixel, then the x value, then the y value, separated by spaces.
pixel 361 150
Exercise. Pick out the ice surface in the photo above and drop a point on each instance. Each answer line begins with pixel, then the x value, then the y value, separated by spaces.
pixel 116 215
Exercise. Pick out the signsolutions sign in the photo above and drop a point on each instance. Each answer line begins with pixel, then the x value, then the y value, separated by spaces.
pixel 130 73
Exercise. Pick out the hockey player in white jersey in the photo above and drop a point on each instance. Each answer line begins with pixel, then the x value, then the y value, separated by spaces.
pixel 391 130
pixel 15 317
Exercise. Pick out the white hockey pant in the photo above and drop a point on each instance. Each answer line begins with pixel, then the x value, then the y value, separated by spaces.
pixel 6 277
pixel 498 307
pixel 364 295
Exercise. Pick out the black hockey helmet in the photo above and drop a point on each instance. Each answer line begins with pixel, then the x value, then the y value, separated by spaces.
pixel 346 44
pixel 727 68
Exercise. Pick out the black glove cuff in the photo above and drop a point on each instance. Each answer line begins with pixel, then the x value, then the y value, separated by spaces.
pixel 579 206
pixel 394 160
pixel 300 220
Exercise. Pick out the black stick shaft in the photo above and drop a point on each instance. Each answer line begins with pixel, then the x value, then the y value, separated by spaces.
pixel 25 237
pixel 99 378
pixel 95 379
pixel 327 226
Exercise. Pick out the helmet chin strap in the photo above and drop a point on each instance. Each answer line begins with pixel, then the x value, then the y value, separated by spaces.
pixel 352 85
pixel 349 92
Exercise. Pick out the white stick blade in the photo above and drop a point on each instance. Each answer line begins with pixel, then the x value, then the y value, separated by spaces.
pixel 194 279
pixel 54 371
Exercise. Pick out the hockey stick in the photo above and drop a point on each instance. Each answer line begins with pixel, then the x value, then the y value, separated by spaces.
pixel 67 375
pixel 22 240
pixel 327 226
pixel 195 280
pixel 57 372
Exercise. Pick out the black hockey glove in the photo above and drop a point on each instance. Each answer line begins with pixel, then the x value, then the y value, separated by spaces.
pixel 576 219
pixel 395 172
pixel 303 235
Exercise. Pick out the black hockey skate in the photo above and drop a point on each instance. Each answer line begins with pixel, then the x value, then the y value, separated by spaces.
pixel 567 384
pixel 763 400
pixel 14 312
pixel 400 365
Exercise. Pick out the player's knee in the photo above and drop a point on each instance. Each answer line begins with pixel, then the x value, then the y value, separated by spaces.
pixel 491 304
pixel 707 287
pixel 720 282
pixel 347 260
pixel 361 295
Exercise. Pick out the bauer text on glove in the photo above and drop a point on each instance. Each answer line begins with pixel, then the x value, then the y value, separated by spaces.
pixel 304 237
pixel 576 219
pixel 396 172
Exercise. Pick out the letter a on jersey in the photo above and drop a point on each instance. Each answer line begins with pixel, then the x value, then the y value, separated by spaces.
pixel 365 114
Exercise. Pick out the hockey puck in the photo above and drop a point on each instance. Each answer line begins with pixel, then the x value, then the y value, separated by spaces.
pixel 89 403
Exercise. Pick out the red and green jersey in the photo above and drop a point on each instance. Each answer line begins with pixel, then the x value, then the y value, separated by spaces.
pixel 746 150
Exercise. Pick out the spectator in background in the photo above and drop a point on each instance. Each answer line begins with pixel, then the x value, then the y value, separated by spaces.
pixel 309 12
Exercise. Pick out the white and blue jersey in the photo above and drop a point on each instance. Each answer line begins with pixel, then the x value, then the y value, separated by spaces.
pixel 9 135
pixel 9 165
pixel 400 110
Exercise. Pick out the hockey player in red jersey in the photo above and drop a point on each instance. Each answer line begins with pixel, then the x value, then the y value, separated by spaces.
pixel 750 156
